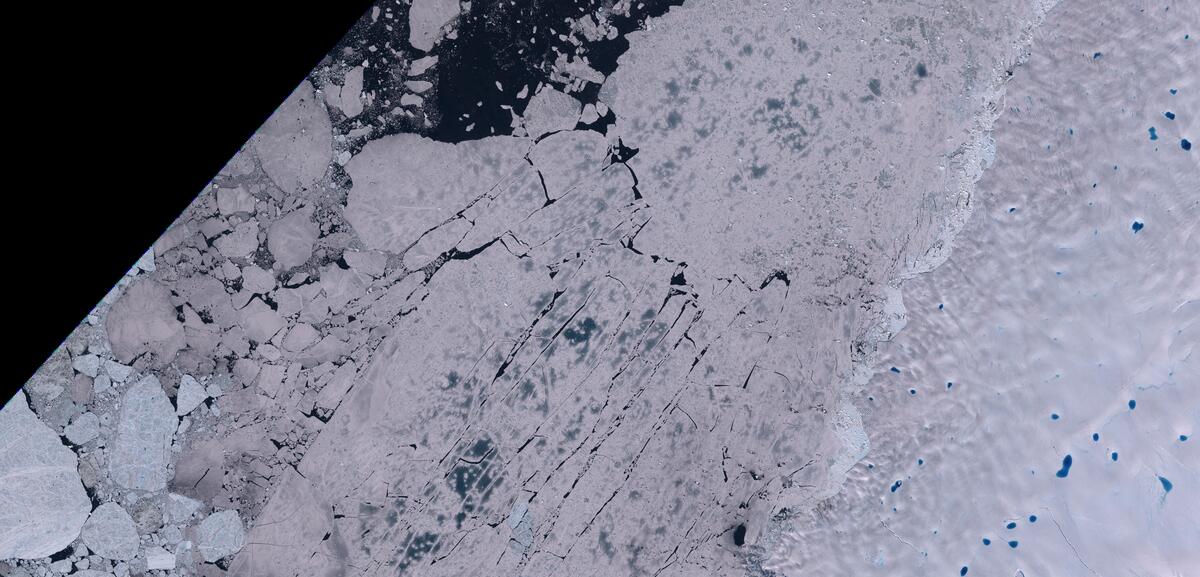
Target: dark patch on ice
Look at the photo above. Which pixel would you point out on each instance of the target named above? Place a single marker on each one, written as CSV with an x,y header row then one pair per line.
x,y
418,547
581,332
739,535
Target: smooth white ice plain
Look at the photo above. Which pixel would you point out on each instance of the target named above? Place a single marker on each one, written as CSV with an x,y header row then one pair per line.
x,y
1041,412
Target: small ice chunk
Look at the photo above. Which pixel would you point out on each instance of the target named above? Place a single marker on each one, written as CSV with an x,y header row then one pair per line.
x,y
260,321
518,513
420,65
145,262
191,394
110,533
240,243
83,429
158,558
87,364
101,385
232,201
220,535
350,95
180,508
300,337
589,114
521,523
257,280
418,86
551,111
116,371
291,238
214,390
369,263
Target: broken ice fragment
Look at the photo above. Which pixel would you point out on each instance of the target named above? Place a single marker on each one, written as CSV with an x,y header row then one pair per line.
x,y
110,533
369,263
425,21
158,558
191,394
43,501
300,337
290,239
420,65
180,508
144,320
139,456
116,371
257,280
87,364
260,321
347,97
418,86
295,144
83,429
551,111
518,513
232,201
241,242
220,535
144,263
